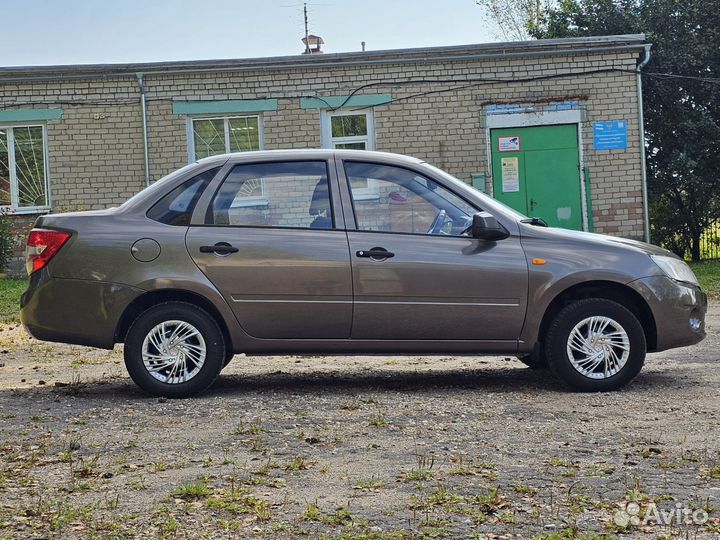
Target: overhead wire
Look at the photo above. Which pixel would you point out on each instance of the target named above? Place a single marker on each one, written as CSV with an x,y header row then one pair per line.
x,y
458,84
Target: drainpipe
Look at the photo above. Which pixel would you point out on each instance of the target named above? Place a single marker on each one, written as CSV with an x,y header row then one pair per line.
x,y
143,104
646,214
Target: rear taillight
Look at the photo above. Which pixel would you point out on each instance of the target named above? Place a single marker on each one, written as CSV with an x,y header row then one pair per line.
x,y
42,245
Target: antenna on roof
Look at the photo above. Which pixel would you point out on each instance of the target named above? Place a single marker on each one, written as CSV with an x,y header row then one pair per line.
x,y
306,40
312,43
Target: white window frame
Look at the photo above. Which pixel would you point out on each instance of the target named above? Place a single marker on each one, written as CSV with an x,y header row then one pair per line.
x,y
260,200
14,206
328,141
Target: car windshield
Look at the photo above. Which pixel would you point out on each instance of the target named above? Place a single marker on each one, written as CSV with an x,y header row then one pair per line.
x,y
509,212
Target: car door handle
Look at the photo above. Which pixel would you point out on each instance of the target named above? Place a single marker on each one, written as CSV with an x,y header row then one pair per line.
x,y
375,253
221,248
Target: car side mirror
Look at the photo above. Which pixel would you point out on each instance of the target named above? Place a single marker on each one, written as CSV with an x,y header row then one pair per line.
x,y
486,227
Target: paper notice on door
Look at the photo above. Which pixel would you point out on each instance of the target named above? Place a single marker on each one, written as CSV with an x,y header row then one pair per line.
x,y
510,175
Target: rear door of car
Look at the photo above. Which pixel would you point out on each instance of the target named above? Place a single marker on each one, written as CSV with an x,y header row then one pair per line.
x,y
270,236
411,283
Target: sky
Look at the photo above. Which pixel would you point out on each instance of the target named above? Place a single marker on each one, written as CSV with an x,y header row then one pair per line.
x,y
50,32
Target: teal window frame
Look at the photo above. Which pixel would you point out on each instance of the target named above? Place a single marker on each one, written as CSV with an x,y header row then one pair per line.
x,y
224,107
336,102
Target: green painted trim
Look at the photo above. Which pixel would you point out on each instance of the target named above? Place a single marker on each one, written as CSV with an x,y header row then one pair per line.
x,y
335,102
30,115
588,201
225,106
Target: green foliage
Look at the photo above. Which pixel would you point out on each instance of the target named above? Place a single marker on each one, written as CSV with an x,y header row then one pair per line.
x,y
708,274
514,19
7,242
10,292
682,115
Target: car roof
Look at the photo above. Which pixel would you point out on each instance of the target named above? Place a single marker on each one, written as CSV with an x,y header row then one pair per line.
x,y
313,153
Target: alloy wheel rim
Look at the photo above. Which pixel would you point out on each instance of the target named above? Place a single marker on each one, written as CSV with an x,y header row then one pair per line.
x,y
174,352
598,347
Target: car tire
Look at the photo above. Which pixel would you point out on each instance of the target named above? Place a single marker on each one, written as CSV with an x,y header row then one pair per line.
x,y
590,357
535,360
228,357
174,350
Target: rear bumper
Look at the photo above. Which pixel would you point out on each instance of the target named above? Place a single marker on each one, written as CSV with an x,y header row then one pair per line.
x,y
678,309
80,312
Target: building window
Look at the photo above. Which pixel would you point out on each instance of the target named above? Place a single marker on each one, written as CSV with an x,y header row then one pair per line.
x,y
352,130
348,130
213,136
23,169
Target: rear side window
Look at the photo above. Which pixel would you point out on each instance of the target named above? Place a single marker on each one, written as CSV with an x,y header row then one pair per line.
x,y
176,207
291,194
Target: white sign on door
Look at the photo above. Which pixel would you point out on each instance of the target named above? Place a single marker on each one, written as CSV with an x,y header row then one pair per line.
x,y
510,174
509,144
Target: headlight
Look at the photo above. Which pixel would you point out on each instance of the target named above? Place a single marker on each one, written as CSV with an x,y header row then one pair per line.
x,y
675,268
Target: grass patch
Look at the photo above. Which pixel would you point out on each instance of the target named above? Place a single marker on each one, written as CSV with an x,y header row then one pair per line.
x,y
190,492
418,475
711,474
10,292
708,274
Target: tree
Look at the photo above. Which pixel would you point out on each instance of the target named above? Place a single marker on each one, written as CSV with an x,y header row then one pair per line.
x,y
514,19
682,108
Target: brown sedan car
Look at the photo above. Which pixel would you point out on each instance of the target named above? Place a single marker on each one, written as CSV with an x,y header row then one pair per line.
x,y
320,251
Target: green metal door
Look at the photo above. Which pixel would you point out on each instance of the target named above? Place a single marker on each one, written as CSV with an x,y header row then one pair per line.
x,y
536,170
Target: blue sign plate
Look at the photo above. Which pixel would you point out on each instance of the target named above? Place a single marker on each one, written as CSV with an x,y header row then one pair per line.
x,y
610,135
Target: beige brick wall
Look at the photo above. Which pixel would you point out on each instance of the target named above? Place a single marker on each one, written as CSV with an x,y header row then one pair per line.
x,y
96,163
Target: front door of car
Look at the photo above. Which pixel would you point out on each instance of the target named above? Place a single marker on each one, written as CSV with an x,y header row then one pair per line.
x,y
271,244
417,274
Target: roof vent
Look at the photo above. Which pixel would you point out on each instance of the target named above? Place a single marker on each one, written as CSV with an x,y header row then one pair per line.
x,y
312,44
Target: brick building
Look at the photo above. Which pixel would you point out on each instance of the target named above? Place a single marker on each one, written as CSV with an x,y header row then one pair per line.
x,y
551,127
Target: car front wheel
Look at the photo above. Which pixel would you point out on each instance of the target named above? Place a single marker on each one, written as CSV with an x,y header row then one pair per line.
x,y
595,345
174,350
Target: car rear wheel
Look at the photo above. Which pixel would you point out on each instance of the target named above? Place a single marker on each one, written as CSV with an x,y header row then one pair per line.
x,y
595,345
174,350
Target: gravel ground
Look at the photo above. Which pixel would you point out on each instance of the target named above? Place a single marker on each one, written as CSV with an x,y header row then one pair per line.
x,y
356,448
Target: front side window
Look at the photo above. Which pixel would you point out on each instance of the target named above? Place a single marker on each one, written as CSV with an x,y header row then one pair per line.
x,y
296,192
23,168
407,202
213,136
352,130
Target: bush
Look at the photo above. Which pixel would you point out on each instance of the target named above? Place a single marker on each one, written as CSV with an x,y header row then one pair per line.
x,y
7,242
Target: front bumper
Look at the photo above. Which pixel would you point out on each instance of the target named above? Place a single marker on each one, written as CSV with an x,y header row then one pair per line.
x,y
678,309
81,312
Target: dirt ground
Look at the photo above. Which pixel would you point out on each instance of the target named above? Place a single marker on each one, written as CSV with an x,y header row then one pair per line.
x,y
357,448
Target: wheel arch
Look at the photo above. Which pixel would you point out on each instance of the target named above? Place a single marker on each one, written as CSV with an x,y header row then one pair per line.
x,y
609,290
151,298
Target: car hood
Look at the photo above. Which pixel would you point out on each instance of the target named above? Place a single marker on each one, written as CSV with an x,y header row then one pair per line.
x,y
566,235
